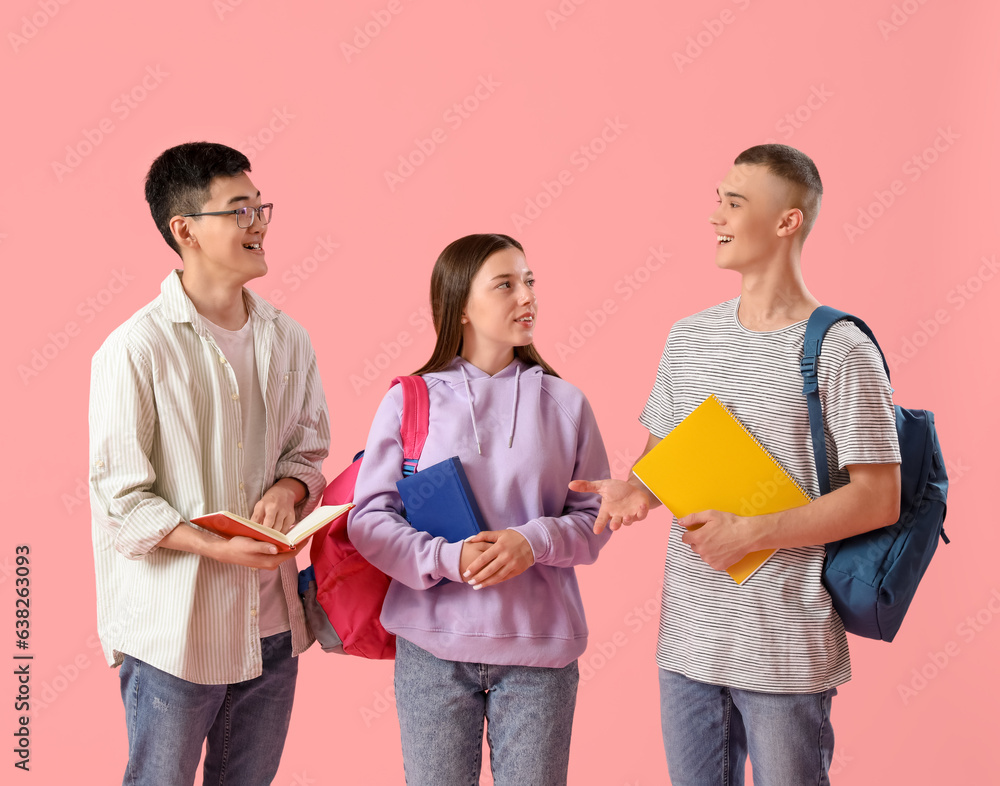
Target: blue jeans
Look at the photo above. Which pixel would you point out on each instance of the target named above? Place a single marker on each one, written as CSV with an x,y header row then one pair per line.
x,y
442,705
709,729
169,719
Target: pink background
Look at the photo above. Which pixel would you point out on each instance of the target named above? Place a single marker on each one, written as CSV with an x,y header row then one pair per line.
x,y
867,88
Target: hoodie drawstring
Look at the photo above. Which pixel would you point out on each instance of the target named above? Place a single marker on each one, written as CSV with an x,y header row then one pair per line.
x,y
513,408
472,411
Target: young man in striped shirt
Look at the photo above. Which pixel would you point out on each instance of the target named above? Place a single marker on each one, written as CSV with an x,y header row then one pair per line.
x,y
752,669
207,399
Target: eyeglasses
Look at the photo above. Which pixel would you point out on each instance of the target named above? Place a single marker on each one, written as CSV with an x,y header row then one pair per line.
x,y
244,215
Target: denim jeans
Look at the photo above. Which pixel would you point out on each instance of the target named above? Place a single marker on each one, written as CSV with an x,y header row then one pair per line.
x,y
442,706
709,729
169,719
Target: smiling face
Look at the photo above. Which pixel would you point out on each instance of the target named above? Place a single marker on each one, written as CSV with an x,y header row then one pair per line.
x,y
754,222
500,311
223,251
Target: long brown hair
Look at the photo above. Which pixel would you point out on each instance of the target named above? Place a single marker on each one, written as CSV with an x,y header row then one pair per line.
x,y
451,281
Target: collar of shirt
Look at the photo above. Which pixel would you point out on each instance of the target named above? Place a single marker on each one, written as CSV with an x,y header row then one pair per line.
x,y
177,306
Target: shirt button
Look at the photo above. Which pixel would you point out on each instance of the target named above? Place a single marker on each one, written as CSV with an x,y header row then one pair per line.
x,y
242,485
99,464
239,445
236,396
253,612
222,360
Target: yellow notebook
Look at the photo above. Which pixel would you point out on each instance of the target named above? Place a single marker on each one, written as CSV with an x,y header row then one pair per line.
x,y
711,461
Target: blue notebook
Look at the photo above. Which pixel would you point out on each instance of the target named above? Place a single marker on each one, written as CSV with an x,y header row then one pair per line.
x,y
440,501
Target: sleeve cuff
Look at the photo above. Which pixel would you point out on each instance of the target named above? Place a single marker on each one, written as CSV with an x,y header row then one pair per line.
x,y
144,528
537,537
449,561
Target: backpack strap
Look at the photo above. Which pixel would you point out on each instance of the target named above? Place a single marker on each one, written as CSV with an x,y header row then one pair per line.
x,y
820,321
416,418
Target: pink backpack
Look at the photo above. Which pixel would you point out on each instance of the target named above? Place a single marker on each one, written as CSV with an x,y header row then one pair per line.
x,y
341,591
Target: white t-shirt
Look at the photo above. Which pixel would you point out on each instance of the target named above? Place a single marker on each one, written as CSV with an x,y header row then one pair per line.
x,y
237,347
778,633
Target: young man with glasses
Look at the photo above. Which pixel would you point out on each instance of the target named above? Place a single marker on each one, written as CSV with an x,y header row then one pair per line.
x,y
207,399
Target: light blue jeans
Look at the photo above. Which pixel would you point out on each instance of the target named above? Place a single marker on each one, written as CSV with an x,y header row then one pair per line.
x,y
442,705
169,719
709,729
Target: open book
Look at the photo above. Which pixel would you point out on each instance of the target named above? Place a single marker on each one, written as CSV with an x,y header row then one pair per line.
x,y
229,525
711,460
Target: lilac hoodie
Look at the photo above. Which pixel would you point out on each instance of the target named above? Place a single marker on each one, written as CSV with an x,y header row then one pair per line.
x,y
535,434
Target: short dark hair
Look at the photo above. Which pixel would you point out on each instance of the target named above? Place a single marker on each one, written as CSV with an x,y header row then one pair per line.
x,y
178,181
795,167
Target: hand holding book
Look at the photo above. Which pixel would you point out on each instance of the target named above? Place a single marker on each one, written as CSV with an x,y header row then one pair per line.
x,y
715,475
230,525
720,538
276,507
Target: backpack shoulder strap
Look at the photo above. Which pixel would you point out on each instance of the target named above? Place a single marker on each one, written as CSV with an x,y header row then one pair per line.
x,y
820,321
416,417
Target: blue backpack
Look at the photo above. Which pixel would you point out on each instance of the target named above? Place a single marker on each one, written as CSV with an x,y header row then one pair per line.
x,y
872,577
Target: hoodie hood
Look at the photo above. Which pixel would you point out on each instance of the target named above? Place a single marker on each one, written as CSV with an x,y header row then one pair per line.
x,y
453,376
463,377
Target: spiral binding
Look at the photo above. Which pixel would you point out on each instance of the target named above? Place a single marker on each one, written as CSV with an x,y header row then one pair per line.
x,y
756,442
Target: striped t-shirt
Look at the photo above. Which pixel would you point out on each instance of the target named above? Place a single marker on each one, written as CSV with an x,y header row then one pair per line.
x,y
777,633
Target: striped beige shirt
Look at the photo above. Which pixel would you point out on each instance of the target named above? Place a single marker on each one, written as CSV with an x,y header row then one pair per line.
x,y
165,446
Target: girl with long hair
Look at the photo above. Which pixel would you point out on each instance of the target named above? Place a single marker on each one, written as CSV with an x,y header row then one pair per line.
x,y
499,641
